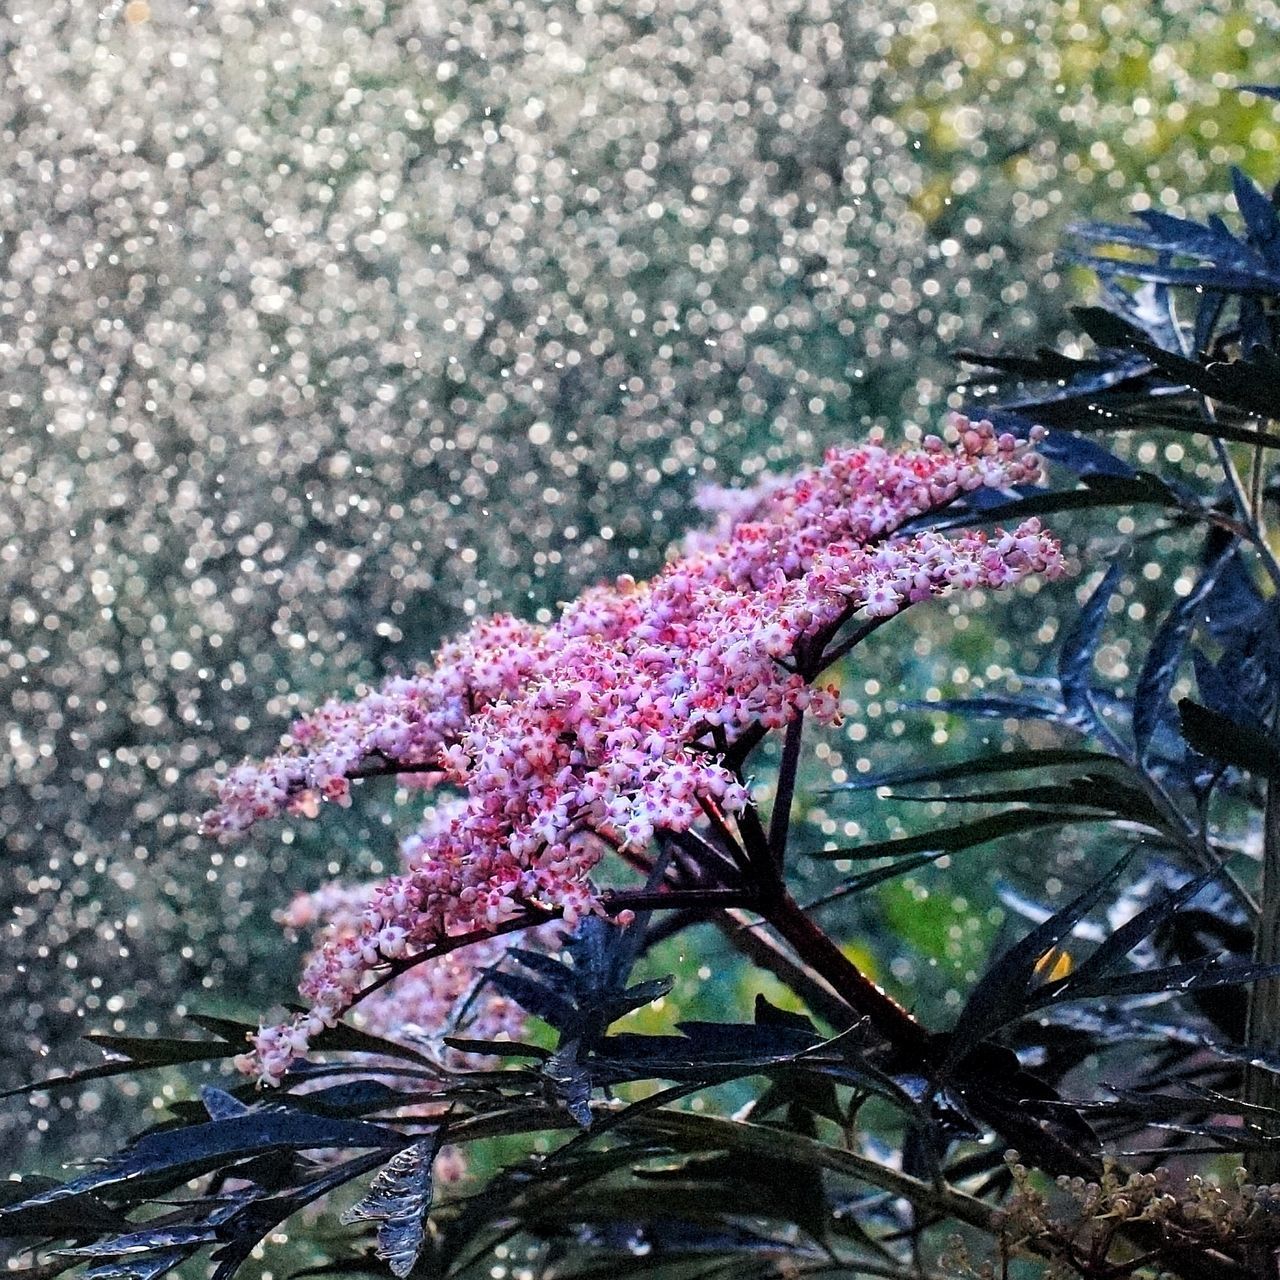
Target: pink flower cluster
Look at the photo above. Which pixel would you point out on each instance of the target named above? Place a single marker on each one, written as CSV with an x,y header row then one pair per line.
x,y
438,998
588,735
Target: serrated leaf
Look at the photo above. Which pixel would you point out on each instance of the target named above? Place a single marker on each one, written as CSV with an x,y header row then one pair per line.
x,y
1214,735
643,993
227,1029
1082,456
701,1045
1078,650
870,879
1120,942
32,1207
220,1104
1146,308
147,1239
1174,416
143,1267
399,1200
1219,694
1164,657
1163,233
1003,993
255,1217
1208,313
993,708
1027,1112
344,1038
15,1190
150,1054
1259,216
1247,383
1101,490
157,1051
964,835
553,968
768,1014
1005,762
170,1157
571,1081
519,1193
1245,279
350,1099
497,1048
1105,327
535,997
1212,971
1236,616
1055,379
1088,791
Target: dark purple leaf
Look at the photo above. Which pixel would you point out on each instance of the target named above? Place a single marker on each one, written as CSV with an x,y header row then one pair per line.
x,y
1259,216
571,1081
1163,233
145,1266
1164,658
1212,971
1260,280
172,1156
1079,648
399,1200
1005,762
964,835
1214,735
1006,991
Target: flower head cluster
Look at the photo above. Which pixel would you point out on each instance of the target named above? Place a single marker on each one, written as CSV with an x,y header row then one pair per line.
x,y
444,996
588,735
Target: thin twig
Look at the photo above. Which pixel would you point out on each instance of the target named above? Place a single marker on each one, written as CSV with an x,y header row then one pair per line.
x,y
784,795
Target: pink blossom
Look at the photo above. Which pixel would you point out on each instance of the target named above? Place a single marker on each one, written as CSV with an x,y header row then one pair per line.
x,y
581,739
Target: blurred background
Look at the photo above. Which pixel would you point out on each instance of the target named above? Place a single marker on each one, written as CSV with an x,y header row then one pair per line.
x,y
325,326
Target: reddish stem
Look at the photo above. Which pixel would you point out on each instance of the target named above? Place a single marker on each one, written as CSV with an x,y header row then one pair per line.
x,y
862,995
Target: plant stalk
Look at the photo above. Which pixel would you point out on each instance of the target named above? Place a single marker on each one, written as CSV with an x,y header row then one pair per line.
x,y
1263,1031
862,995
780,818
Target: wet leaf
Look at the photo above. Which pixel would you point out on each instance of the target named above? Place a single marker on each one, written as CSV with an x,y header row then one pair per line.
x,y
1004,993
399,1200
1260,218
964,835
1242,745
1165,654
1005,762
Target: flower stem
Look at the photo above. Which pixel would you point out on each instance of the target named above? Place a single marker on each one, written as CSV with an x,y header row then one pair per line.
x,y
780,818
863,996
